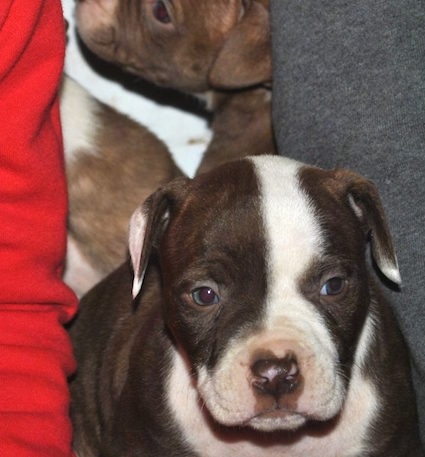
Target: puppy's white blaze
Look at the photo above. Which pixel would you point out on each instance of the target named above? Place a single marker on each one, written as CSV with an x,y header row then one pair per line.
x,y
292,233
79,122
294,240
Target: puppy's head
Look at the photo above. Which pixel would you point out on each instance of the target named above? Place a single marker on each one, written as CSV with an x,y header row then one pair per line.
x,y
189,45
266,289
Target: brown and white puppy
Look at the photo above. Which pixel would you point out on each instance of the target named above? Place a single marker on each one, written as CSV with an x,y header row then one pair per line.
x,y
195,46
253,326
112,164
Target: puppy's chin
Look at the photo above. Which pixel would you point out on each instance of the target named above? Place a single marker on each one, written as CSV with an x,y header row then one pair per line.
x,y
277,420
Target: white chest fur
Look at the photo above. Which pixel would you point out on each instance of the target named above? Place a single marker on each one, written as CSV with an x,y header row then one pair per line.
x,y
79,119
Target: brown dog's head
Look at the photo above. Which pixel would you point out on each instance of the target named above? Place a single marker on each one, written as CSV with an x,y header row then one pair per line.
x,y
190,45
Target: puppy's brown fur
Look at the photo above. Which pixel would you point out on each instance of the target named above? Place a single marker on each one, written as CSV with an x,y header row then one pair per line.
x,y
114,167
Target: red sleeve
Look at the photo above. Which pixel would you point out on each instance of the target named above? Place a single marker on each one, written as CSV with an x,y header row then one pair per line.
x,y
35,351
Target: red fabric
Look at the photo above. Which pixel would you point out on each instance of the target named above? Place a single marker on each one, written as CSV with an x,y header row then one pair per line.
x,y
35,351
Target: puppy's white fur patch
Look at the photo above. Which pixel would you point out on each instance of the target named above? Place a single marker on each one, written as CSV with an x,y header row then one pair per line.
x,y
79,274
79,118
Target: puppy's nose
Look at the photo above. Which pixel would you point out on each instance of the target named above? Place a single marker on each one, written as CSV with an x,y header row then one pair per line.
x,y
276,376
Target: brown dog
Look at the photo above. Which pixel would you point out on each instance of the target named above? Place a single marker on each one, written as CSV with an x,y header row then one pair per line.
x,y
255,327
112,164
195,46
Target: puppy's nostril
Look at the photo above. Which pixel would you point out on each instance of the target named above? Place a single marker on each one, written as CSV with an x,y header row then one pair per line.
x,y
276,376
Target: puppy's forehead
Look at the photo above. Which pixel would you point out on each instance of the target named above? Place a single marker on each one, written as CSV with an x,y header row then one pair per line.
x,y
270,191
292,230
256,206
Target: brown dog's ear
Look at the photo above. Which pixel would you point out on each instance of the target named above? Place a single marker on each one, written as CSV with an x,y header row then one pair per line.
x,y
245,58
147,225
364,200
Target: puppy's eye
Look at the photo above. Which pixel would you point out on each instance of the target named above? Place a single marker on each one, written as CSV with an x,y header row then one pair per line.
x,y
161,13
333,286
205,296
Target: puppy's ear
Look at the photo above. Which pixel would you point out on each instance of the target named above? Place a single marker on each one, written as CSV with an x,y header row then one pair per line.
x,y
147,225
364,200
245,58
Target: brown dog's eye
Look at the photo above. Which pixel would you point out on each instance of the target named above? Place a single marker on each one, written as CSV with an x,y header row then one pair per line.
x,y
333,286
205,296
161,13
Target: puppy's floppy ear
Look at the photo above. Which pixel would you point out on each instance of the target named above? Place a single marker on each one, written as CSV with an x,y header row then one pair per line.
x,y
364,200
147,225
245,58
